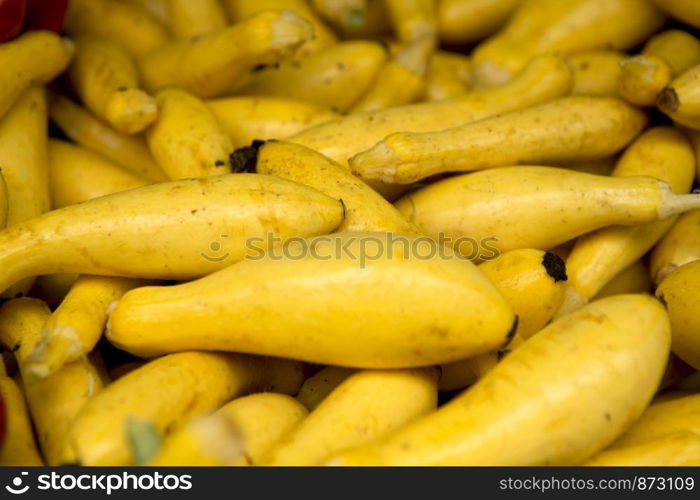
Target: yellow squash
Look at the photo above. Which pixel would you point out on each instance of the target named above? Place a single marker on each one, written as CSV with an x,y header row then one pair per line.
x,y
317,387
546,78
129,152
54,401
463,21
596,72
77,174
208,66
507,208
680,292
449,75
568,129
680,449
187,139
75,327
34,58
540,405
188,19
598,257
194,227
335,77
400,81
126,23
246,119
681,99
369,300
681,414
545,26
365,209
105,77
679,246
165,393
239,10
19,448
365,407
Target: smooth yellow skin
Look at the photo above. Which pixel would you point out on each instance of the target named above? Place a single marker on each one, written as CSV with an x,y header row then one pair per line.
x,y
540,405
687,11
412,20
317,387
248,118
643,77
365,407
206,441
464,21
335,77
400,81
24,163
34,58
208,66
187,139
596,72
678,48
129,152
663,419
679,246
19,448
262,420
532,282
239,10
183,220
167,392
77,174
597,257
633,279
189,19
449,75
681,449
55,401
365,209
23,158
575,128
545,26
398,309
126,23
106,79
508,208
546,78
238,434
679,290
681,99
76,326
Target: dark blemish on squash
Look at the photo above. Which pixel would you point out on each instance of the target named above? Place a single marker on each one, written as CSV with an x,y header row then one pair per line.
x,y
219,163
511,333
608,417
668,100
245,159
555,266
122,89
194,211
662,299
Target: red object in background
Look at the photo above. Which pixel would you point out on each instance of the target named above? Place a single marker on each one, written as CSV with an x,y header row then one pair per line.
x,y
12,15
45,15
